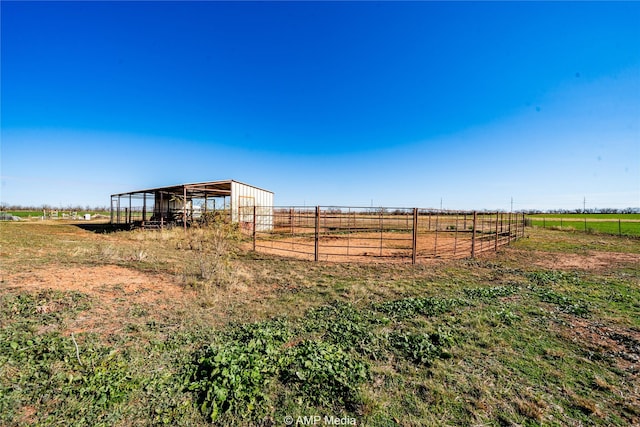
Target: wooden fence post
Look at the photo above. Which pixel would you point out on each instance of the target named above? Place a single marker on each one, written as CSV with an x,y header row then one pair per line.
x,y
414,237
473,235
317,236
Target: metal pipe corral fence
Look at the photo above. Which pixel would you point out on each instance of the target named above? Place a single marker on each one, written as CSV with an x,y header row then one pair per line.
x,y
330,233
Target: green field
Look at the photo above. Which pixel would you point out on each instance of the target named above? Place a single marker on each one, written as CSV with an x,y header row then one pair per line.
x,y
578,216
25,214
187,328
620,224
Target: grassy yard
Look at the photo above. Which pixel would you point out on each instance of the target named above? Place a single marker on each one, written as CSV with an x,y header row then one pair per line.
x,y
148,328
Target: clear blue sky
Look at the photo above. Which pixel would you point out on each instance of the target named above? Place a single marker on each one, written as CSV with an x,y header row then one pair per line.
x,y
390,104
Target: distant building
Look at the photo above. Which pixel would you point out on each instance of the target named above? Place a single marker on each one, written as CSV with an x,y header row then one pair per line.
x,y
184,204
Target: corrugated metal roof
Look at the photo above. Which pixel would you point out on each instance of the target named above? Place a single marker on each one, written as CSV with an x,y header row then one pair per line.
x,y
220,188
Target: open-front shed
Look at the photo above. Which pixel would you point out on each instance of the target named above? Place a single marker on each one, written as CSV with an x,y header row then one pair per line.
x,y
184,204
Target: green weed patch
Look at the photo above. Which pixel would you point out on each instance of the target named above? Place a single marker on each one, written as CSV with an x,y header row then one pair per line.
x,y
492,292
421,348
565,304
325,375
411,307
323,359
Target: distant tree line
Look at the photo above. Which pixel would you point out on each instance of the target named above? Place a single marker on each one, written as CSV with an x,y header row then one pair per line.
x,y
71,208
583,211
87,208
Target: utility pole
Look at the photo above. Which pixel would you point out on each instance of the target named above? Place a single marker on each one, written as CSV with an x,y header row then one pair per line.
x,y
440,203
584,205
512,204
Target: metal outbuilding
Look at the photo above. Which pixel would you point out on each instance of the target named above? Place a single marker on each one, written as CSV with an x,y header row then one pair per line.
x,y
183,204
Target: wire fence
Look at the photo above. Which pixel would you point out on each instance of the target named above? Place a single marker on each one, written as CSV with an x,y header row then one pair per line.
x,y
328,233
614,226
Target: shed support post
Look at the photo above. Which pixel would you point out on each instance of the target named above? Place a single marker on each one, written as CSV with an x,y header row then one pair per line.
x,y
184,207
161,211
473,234
144,208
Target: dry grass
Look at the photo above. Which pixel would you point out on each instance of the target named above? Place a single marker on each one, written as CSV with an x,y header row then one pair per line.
x,y
154,297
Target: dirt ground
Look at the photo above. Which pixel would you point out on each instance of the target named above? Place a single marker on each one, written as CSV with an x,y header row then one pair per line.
x,y
379,247
114,291
621,346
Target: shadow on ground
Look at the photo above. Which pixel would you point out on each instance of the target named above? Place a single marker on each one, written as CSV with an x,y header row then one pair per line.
x,y
101,228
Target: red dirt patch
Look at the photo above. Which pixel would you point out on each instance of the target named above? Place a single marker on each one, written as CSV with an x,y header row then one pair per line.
x,y
114,291
104,282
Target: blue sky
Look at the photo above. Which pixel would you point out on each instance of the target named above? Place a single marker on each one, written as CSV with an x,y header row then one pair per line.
x,y
331,103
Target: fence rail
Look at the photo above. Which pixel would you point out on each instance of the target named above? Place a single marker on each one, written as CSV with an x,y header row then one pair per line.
x,y
389,234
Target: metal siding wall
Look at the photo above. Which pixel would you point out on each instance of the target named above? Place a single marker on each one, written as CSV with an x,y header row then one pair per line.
x,y
263,201
234,202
